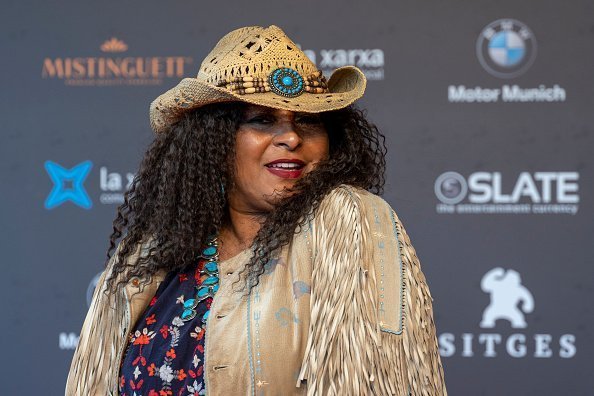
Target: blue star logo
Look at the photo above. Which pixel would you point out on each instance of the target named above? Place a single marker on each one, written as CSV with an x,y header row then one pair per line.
x,y
62,179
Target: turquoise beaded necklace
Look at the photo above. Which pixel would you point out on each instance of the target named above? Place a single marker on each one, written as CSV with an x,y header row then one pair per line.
x,y
206,287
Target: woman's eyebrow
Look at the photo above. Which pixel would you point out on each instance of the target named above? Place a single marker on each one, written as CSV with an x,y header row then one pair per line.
x,y
257,110
305,114
256,113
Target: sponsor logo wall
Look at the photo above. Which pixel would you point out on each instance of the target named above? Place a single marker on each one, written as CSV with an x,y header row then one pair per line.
x,y
490,134
112,66
532,193
506,48
509,302
68,185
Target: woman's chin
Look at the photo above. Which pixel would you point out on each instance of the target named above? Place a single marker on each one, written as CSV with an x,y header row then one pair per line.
x,y
282,191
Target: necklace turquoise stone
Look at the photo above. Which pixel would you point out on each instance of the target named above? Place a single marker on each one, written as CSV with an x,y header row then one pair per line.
x,y
206,287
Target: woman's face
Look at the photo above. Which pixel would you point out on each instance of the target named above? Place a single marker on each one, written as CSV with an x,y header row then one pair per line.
x,y
273,149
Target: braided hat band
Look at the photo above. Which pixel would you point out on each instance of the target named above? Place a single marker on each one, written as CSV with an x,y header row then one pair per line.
x,y
260,66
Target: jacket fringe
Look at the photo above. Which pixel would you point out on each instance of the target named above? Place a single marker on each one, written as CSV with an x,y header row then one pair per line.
x,y
102,340
347,352
421,348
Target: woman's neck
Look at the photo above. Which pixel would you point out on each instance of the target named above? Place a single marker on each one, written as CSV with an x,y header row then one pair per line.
x,y
239,232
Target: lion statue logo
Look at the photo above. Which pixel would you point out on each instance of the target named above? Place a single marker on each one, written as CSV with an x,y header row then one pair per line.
x,y
510,300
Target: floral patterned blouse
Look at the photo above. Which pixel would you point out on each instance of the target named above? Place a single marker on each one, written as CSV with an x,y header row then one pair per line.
x,y
165,355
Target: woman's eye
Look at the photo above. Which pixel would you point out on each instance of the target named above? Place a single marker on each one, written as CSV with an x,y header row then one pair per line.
x,y
260,120
309,120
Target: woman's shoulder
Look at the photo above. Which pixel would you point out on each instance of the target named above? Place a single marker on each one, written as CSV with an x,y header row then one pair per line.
x,y
358,202
352,192
356,193
353,219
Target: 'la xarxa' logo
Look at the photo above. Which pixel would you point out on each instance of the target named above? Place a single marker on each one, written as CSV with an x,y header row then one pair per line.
x,y
370,61
68,185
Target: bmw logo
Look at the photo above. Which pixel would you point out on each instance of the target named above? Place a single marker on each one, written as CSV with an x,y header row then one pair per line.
x,y
506,48
450,188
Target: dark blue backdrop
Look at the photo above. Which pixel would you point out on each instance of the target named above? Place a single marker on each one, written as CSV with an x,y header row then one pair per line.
x,y
487,108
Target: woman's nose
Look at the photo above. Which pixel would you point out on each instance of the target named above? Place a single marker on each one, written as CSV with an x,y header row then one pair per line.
x,y
287,137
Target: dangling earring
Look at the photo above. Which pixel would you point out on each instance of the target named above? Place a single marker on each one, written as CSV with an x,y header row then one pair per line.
x,y
222,188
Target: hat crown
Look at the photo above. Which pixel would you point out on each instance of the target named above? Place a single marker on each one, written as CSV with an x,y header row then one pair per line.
x,y
253,51
261,66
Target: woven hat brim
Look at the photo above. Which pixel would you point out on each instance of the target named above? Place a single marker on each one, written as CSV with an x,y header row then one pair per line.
x,y
345,85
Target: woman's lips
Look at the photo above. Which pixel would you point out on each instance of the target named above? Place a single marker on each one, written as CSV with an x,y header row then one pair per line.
x,y
286,168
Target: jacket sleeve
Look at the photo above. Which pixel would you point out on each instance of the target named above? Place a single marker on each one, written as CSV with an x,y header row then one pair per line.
x,y
421,348
104,329
371,326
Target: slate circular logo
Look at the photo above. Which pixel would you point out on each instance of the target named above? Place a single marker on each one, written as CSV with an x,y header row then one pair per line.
x,y
450,188
91,288
506,48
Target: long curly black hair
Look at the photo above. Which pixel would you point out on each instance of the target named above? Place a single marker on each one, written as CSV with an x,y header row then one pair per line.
x,y
177,198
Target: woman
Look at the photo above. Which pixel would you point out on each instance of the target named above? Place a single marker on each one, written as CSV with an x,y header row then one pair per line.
x,y
254,258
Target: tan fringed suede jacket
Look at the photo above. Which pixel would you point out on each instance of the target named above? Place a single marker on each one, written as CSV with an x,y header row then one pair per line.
x,y
344,310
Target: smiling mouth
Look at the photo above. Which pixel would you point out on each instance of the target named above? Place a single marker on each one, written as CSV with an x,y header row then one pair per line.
x,y
285,165
286,168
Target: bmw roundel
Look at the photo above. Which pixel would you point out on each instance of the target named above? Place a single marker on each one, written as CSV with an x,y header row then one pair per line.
x,y
506,48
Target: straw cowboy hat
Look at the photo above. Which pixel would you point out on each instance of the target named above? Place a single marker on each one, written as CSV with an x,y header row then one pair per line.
x,y
261,66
